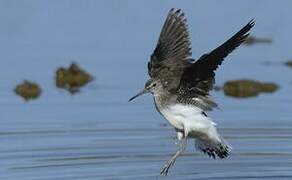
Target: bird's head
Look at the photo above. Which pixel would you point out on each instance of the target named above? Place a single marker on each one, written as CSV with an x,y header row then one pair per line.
x,y
151,86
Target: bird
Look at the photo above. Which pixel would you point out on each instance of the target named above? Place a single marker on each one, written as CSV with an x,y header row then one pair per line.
x,y
181,86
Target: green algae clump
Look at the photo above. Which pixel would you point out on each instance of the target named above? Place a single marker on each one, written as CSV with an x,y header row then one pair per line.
x,y
72,78
289,63
250,40
28,90
248,88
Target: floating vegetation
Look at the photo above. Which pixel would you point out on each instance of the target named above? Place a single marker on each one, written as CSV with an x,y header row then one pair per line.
x,y
248,88
72,78
28,90
251,40
288,63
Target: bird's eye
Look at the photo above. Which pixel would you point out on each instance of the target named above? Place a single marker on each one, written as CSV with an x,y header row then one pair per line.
x,y
154,85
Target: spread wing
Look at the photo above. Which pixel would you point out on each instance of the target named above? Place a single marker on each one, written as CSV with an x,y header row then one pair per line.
x,y
173,47
198,79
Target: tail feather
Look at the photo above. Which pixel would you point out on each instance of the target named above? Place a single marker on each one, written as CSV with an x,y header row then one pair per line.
x,y
214,149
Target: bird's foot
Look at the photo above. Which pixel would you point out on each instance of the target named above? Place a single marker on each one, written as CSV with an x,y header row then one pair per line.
x,y
182,146
165,168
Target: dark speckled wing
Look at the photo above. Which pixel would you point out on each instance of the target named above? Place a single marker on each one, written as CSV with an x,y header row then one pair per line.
x,y
173,48
198,78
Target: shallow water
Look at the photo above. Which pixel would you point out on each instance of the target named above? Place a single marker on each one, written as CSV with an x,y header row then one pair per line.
x,y
97,134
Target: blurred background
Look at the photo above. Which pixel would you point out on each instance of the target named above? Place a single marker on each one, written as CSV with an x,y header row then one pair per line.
x,y
95,133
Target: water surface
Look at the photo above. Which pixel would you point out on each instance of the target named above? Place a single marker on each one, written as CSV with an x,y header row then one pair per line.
x,y
97,134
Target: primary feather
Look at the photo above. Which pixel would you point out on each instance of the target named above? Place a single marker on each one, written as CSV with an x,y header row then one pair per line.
x,y
198,77
173,47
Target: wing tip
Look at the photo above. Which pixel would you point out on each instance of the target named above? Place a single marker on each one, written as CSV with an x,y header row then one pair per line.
x,y
247,28
176,12
245,31
251,23
171,11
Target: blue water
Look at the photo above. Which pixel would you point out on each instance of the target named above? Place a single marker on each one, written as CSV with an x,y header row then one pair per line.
x,y
97,134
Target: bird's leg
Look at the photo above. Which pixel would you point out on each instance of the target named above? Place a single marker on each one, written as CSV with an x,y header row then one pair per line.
x,y
182,144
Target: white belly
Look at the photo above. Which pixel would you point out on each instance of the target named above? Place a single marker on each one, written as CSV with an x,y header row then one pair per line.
x,y
187,118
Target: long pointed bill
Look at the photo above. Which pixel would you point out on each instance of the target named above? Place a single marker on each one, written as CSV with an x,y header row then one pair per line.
x,y
139,94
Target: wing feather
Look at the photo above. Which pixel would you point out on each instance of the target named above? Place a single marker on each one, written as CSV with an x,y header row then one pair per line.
x,y
208,63
199,77
173,44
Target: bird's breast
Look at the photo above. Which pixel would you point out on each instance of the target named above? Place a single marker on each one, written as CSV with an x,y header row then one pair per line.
x,y
177,114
